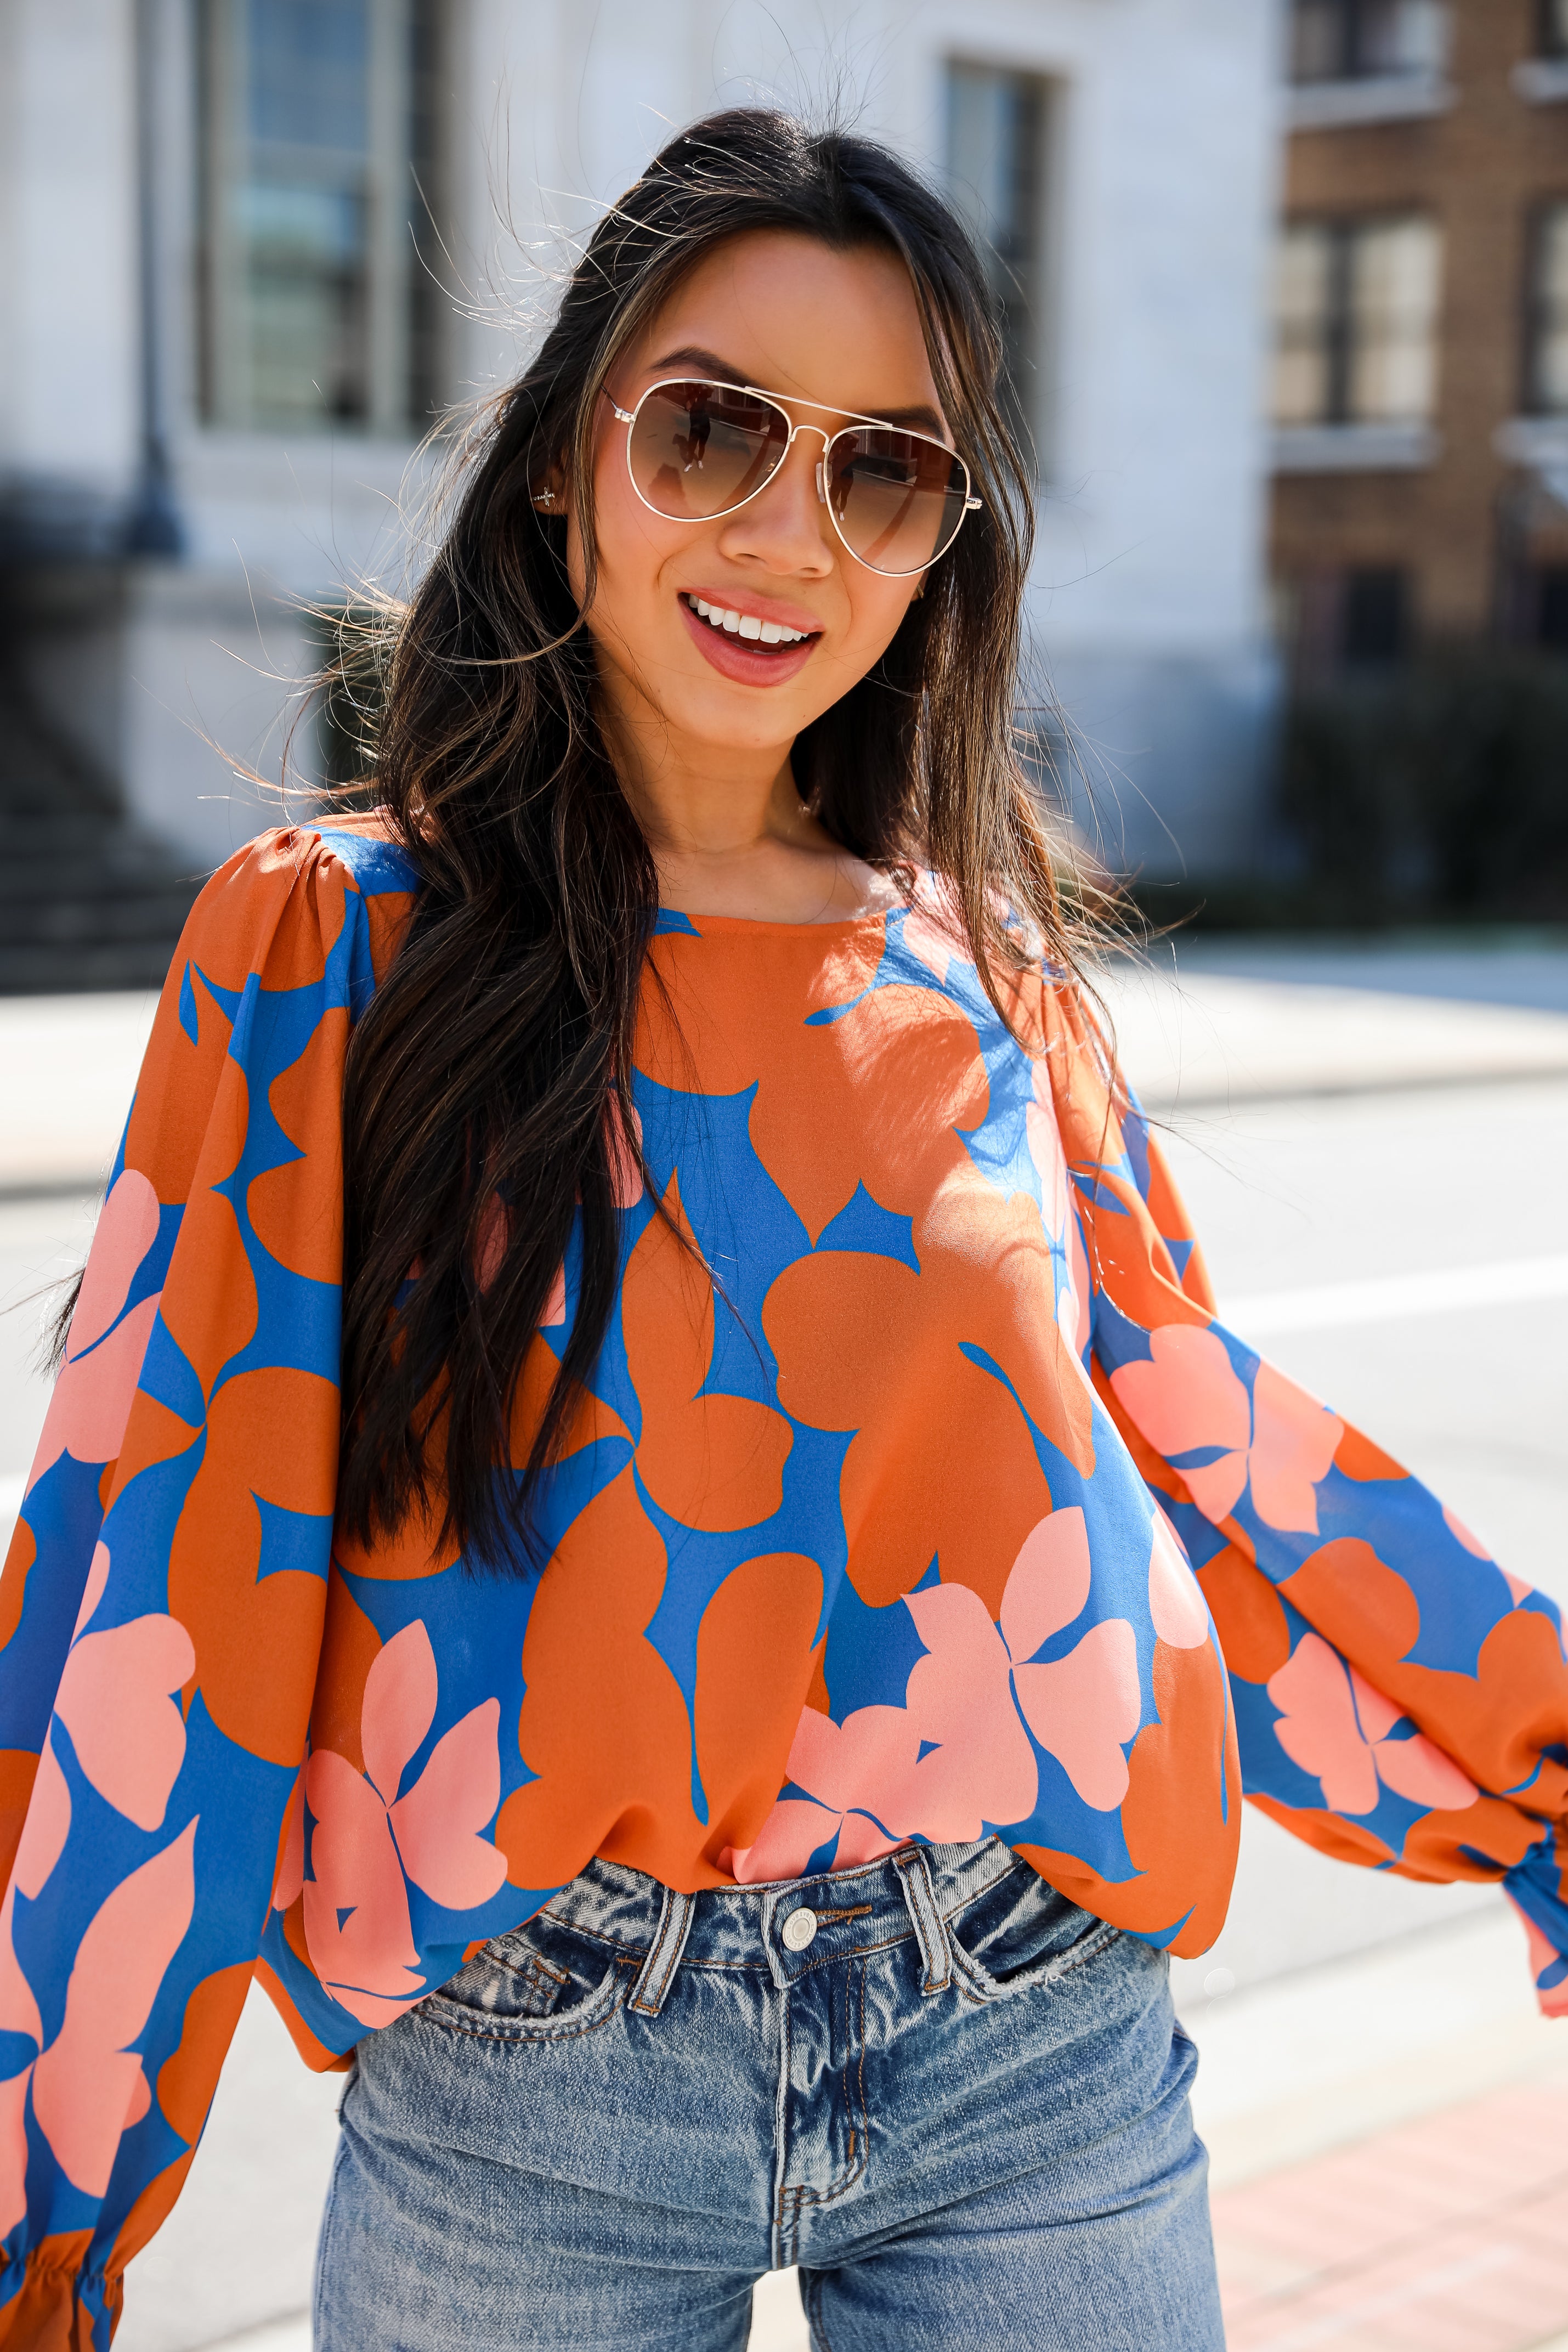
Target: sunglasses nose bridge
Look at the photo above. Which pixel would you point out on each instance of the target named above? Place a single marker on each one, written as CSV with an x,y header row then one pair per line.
x,y
826,439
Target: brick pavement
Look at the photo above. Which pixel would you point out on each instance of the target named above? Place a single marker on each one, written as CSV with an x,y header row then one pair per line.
x,y
1445,2234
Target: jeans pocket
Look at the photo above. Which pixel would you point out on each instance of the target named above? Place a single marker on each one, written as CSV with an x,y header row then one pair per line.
x,y
1021,1934
531,1986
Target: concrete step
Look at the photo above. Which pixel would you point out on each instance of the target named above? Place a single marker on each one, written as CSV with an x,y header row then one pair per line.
x,y
88,901
88,897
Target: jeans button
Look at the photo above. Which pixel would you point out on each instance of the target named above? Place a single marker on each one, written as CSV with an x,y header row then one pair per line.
x,y
799,1929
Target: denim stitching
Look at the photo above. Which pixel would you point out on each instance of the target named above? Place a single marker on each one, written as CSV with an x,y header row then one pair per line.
x,y
782,2122
576,1927
984,1988
571,2028
676,1912
855,1952
854,2107
536,1965
920,1896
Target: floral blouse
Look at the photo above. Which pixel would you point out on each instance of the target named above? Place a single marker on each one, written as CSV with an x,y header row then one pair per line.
x,y
889,1531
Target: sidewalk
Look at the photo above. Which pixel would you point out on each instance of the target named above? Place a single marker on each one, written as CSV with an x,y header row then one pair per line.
x,y
1389,2138
1222,1036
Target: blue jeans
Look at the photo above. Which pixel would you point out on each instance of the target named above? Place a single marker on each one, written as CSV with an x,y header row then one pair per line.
x,y
956,2100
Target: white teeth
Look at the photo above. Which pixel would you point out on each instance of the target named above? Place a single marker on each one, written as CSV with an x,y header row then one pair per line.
x,y
746,625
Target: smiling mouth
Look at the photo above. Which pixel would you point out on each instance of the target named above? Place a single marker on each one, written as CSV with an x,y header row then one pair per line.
x,y
746,629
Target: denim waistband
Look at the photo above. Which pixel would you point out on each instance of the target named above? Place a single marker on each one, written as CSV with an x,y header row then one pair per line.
x,y
912,1892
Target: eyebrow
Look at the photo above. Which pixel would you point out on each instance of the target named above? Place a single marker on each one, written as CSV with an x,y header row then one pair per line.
x,y
920,418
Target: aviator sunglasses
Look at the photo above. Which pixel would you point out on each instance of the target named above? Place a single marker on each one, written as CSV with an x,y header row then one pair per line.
x,y
697,449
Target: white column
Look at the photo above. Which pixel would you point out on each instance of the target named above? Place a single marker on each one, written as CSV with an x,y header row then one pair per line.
x,y
68,326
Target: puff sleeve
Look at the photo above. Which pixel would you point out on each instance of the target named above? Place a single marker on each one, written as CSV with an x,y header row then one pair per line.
x,y
1401,1701
161,1605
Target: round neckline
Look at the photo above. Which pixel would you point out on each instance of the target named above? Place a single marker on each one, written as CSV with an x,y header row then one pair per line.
x,y
777,923
702,923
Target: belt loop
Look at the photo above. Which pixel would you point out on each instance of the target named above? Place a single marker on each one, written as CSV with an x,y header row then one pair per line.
x,y
664,1959
920,1895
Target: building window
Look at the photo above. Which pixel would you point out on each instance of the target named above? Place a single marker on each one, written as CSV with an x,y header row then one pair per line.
x,y
1355,322
1350,40
1553,28
315,121
1344,618
997,125
1547,356
1374,616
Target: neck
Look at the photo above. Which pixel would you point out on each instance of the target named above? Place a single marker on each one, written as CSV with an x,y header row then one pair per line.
x,y
702,804
726,828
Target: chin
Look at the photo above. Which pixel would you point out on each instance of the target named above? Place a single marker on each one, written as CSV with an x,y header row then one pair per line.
x,y
736,719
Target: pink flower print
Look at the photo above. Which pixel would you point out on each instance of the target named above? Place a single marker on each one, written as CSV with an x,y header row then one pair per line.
x,y
956,1754
14,2150
47,1826
1177,1606
787,1839
1049,1584
19,2015
369,1841
116,1699
1335,1725
870,1756
87,2086
1188,1398
92,1401
357,1925
1081,1707
1294,1441
982,1767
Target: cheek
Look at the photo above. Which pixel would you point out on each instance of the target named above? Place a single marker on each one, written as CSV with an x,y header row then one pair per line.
x,y
633,548
877,608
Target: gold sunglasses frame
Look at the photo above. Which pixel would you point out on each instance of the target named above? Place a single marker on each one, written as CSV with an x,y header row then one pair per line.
x,y
776,401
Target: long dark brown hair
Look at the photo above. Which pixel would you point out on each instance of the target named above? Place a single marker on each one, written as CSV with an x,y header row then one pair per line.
x,y
496,1060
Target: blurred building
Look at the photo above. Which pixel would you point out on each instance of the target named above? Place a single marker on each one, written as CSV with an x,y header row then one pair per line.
x,y
252,250
1420,395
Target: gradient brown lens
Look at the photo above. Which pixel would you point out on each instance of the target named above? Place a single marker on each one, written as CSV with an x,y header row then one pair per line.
x,y
897,497
697,449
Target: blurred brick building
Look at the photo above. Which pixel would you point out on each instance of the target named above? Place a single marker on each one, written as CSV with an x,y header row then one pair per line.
x,y
1420,397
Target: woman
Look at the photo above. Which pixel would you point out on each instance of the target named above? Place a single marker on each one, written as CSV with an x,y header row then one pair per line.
x,y
720,1750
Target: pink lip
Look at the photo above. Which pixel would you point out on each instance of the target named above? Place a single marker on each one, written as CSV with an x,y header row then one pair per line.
x,y
739,657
